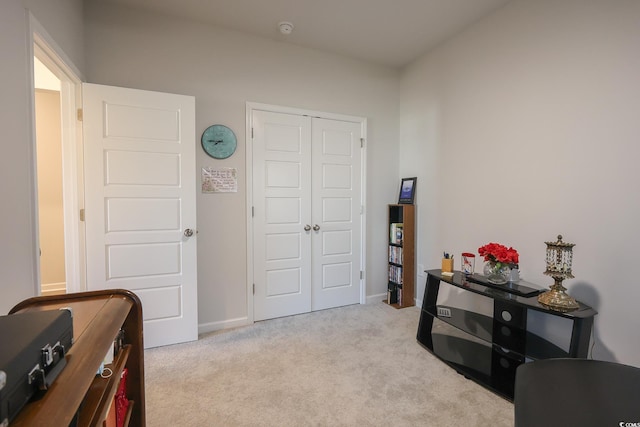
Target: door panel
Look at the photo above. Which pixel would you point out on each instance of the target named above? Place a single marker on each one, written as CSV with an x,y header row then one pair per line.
x,y
162,303
336,210
282,208
140,196
144,123
336,243
126,214
281,282
134,260
336,275
141,168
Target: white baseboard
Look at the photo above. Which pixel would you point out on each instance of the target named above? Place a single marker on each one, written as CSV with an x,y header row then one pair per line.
x,y
374,299
204,328
53,288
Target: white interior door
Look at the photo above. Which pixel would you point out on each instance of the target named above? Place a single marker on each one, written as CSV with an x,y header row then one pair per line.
x,y
336,202
282,211
139,150
306,213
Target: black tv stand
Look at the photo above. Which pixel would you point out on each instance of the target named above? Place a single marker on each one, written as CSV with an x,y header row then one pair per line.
x,y
488,349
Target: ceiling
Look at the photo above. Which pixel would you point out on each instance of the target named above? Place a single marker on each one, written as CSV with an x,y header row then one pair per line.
x,y
385,32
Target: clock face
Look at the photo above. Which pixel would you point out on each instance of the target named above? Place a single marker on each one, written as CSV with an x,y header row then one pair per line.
x,y
219,141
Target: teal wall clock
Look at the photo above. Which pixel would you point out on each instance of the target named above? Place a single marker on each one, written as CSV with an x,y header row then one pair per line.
x,y
219,141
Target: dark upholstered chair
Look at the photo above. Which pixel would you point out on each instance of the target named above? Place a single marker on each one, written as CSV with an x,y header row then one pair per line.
x,y
576,392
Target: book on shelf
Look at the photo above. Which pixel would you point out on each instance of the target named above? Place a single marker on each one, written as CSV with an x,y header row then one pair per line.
x,y
394,294
395,254
395,274
395,233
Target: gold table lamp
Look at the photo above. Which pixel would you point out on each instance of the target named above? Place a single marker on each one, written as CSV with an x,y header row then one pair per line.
x,y
559,259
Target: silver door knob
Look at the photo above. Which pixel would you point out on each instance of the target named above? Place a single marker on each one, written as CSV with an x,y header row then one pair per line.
x,y
307,227
316,227
188,232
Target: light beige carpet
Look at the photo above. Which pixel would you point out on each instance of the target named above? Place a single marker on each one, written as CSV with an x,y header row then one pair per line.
x,y
352,366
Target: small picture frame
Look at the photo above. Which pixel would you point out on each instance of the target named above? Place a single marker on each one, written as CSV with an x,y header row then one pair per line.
x,y
407,191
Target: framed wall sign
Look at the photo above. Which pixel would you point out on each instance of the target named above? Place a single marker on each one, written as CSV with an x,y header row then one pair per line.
x,y
219,180
407,191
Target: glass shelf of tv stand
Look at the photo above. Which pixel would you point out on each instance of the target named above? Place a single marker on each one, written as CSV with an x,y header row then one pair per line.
x,y
479,326
488,365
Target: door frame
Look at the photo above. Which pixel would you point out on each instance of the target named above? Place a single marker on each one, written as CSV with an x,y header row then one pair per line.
x,y
42,45
255,106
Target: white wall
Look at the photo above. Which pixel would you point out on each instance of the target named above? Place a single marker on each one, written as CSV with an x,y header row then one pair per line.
x,y
17,280
224,70
526,126
17,213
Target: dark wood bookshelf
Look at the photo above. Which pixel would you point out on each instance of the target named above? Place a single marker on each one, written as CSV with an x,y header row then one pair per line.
x,y
78,393
401,256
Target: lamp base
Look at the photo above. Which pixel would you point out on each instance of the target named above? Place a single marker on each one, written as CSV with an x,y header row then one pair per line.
x,y
557,299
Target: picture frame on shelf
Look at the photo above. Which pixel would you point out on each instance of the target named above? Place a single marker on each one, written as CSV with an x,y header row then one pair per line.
x,y
407,191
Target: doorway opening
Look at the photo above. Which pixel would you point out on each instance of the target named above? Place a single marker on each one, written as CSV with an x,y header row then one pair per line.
x,y
57,157
49,174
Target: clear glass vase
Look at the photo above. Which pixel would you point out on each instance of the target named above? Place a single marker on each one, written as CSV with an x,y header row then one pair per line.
x,y
497,272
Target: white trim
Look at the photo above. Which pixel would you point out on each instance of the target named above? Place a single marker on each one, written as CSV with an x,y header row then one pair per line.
x,y
255,106
249,190
205,328
375,299
363,219
42,45
302,112
53,50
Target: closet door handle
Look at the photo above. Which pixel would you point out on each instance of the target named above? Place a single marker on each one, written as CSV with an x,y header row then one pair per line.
x,y
307,227
316,227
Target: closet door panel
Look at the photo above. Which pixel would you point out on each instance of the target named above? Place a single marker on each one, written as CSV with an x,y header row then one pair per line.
x,y
336,201
282,209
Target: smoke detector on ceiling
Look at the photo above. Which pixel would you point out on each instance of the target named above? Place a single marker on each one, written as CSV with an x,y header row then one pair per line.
x,y
285,27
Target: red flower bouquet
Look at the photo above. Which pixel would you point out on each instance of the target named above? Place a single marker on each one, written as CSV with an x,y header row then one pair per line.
x,y
500,254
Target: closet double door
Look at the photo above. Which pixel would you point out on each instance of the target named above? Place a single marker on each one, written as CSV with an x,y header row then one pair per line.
x,y
307,200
